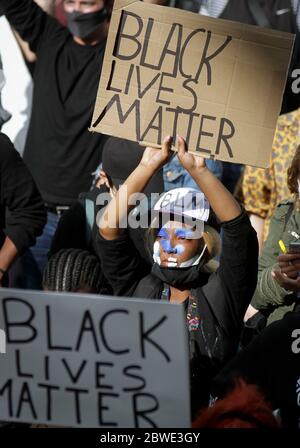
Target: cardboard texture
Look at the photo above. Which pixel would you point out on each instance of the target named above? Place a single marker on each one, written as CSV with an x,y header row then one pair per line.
x,y
217,83
82,360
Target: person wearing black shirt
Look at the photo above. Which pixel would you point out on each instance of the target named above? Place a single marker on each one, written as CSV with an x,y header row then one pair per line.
x,y
22,214
215,303
60,151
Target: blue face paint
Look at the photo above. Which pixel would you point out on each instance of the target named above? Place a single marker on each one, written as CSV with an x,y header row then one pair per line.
x,y
163,233
184,233
179,249
167,246
165,241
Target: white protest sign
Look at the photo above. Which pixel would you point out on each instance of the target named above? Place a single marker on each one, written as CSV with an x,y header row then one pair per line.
x,y
93,361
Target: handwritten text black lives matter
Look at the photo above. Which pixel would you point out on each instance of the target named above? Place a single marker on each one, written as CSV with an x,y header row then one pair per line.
x,y
129,46
64,372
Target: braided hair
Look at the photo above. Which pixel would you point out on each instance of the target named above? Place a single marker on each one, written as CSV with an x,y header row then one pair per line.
x,y
70,270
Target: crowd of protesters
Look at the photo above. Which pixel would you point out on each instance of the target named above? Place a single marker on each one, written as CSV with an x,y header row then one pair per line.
x,y
232,260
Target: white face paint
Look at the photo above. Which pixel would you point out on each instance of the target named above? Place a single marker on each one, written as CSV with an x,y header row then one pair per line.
x,y
165,245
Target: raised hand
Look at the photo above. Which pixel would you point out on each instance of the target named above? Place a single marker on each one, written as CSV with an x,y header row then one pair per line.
x,y
286,282
289,264
156,158
187,159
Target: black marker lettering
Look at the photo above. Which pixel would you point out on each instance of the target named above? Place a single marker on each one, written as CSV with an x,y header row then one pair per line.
x,y
25,397
132,37
87,327
127,372
77,393
25,324
157,127
138,400
109,84
74,377
99,375
222,137
20,373
122,116
163,88
144,334
102,408
102,332
7,388
49,388
205,133
49,333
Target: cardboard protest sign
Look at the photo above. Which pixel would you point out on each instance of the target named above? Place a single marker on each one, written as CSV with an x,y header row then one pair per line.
x,y
217,83
92,361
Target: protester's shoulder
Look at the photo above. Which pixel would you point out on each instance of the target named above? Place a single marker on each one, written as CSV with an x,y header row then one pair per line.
x,y
280,332
276,338
149,287
7,149
283,209
290,321
54,31
5,142
239,223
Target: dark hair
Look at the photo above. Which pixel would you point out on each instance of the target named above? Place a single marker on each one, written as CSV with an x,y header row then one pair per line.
x,y
243,407
293,173
70,270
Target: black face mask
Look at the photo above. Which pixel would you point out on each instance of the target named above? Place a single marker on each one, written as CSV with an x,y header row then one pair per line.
x,y
181,278
82,25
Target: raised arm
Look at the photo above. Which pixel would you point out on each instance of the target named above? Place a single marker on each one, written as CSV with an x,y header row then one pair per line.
x,y
118,209
229,290
25,217
28,19
221,200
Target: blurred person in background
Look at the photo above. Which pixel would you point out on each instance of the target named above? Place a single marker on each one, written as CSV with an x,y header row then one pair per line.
x,y
22,215
60,151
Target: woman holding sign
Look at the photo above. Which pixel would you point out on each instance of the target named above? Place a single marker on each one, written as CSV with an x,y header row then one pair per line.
x,y
182,246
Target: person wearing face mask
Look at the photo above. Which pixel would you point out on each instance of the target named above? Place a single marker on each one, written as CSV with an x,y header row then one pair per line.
x,y
60,151
22,215
278,269
182,244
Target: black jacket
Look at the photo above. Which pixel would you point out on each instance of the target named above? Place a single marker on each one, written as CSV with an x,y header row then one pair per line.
x,y
221,300
22,213
272,362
